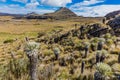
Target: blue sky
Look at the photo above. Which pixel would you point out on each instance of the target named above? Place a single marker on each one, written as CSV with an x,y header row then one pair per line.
x,y
90,8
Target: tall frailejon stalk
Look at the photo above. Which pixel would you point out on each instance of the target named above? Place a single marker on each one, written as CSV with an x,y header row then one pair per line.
x,y
31,49
102,58
100,43
56,53
82,32
98,56
86,48
82,66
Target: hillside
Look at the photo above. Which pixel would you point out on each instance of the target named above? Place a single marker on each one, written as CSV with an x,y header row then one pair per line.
x,y
112,14
61,13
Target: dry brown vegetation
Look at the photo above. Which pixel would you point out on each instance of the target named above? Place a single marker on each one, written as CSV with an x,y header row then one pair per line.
x,y
14,63
13,28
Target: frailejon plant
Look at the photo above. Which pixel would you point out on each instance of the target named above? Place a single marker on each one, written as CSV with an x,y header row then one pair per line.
x,y
94,42
32,49
100,43
56,53
103,71
103,55
86,48
82,66
98,53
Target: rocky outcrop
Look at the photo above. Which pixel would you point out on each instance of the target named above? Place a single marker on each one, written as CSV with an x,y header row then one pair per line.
x,y
115,25
113,20
112,15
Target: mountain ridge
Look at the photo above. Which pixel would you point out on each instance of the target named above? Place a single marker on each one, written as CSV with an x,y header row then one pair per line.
x,y
112,14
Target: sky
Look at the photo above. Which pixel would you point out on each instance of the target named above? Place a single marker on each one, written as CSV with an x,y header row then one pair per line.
x,y
87,8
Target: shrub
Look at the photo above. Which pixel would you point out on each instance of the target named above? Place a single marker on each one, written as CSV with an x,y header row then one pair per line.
x,y
79,46
40,34
104,69
48,52
107,36
9,41
109,42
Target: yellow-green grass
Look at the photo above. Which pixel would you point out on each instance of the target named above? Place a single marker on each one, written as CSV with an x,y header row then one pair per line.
x,y
8,36
12,28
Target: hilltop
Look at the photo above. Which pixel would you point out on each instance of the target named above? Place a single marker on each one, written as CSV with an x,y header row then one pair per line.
x,y
61,13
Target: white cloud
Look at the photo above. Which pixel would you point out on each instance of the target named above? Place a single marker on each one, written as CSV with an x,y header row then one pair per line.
x,y
95,11
86,3
14,5
32,1
22,1
32,5
87,8
56,3
3,0
23,10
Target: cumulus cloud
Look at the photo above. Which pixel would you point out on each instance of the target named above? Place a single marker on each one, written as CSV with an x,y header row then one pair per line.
x,y
87,8
95,11
22,10
86,3
14,5
32,5
22,1
3,0
56,3
32,1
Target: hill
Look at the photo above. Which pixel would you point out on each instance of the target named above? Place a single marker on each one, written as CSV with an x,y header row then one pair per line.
x,y
8,14
113,20
61,13
112,14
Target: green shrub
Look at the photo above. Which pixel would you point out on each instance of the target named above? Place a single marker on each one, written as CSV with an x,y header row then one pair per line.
x,y
40,34
9,41
48,52
104,69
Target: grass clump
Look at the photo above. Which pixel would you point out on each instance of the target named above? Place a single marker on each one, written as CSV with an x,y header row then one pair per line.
x,y
8,41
